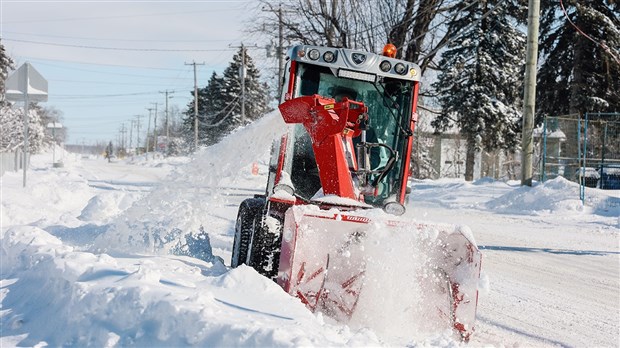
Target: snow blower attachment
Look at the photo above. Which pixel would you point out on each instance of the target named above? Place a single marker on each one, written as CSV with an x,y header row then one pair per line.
x,y
316,230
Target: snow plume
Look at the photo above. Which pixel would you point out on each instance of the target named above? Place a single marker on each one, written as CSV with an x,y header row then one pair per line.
x,y
392,284
172,217
413,283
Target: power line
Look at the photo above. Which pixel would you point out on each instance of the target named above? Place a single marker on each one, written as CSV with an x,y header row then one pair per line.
x,y
112,73
110,39
118,48
101,83
166,14
602,45
92,63
84,96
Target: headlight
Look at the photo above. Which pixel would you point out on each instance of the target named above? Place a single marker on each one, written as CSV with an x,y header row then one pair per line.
x,y
329,57
385,66
394,208
400,68
314,54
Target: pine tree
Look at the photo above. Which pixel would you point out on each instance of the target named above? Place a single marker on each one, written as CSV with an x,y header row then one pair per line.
x,y
580,65
210,104
12,130
6,65
256,93
579,74
479,86
219,103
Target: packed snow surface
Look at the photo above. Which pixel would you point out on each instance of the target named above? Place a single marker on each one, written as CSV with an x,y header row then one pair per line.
x,y
130,254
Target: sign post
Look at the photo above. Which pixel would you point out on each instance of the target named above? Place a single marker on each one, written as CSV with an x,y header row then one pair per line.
x,y
27,85
53,126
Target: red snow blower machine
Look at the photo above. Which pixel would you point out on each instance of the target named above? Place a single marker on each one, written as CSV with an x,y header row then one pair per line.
x,y
330,227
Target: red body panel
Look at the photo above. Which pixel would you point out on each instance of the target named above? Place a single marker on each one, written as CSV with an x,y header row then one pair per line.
x,y
281,154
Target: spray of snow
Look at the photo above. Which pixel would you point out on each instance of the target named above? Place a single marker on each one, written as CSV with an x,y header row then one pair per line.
x,y
172,216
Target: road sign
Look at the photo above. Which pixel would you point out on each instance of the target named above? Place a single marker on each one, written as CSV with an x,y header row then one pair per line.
x,y
24,83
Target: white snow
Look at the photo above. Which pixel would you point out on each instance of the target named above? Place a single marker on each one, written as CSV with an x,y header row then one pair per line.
x,y
86,257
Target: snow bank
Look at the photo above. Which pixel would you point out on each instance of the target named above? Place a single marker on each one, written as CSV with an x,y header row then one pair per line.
x,y
101,301
556,196
62,191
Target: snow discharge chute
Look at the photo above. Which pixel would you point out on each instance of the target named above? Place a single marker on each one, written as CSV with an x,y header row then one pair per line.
x,y
327,228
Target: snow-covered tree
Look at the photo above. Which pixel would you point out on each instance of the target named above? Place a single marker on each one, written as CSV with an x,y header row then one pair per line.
x,y
210,106
6,65
422,164
479,86
219,103
580,61
12,129
256,92
580,64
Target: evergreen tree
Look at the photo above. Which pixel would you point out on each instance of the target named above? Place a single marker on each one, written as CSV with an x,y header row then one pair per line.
x,y
210,104
6,65
219,103
579,74
12,130
256,93
479,86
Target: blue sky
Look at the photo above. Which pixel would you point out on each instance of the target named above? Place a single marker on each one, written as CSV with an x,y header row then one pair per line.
x,y
108,61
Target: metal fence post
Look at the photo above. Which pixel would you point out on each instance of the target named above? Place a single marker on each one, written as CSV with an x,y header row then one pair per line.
x,y
602,170
544,154
582,170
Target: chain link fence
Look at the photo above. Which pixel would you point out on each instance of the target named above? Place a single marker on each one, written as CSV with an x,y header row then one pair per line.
x,y
584,149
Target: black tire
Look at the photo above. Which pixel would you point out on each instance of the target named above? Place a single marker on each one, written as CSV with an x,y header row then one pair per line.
x,y
249,210
265,249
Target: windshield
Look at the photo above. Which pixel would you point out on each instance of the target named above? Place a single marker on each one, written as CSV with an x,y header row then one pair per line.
x,y
389,110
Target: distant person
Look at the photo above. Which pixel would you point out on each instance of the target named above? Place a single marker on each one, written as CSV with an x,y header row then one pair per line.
x,y
108,152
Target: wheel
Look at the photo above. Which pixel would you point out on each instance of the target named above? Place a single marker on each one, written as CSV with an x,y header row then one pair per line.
x,y
265,248
244,227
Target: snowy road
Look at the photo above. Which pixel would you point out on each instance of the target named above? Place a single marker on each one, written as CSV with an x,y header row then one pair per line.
x,y
554,278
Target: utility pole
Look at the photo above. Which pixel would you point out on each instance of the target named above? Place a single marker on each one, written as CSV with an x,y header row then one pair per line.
x,y
155,144
280,53
148,130
166,92
195,104
242,77
242,73
131,133
280,49
529,93
138,117
123,131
